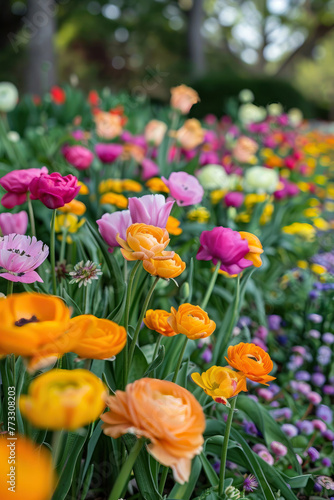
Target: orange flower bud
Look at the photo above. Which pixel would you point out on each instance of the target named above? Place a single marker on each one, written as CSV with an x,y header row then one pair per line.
x,y
64,399
192,321
31,320
144,242
252,361
165,413
157,320
173,226
221,383
255,248
166,269
33,477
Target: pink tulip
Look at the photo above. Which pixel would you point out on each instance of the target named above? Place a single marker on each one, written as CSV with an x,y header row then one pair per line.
x,y
234,199
225,245
150,169
14,223
112,224
150,209
54,190
78,156
17,184
108,153
184,188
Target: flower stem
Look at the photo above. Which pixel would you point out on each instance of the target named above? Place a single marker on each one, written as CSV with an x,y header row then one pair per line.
x,y
10,286
123,477
31,216
221,348
63,244
53,252
156,349
57,440
141,317
163,480
225,445
211,285
86,300
179,361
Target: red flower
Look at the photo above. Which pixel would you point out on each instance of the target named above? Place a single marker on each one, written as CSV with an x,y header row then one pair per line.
x,y
58,95
93,98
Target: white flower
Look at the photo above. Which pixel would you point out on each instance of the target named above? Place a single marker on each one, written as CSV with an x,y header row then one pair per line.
x,y
275,109
249,113
213,177
8,96
295,117
246,95
261,180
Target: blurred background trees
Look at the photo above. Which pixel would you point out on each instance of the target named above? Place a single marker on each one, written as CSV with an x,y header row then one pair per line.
x,y
281,49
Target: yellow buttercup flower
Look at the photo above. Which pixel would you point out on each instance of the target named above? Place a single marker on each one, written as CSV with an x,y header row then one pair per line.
x,y
173,226
321,224
301,229
107,185
312,212
221,383
217,195
68,222
200,214
118,200
83,189
243,217
266,214
318,269
329,206
74,207
253,199
320,179
302,264
64,399
157,185
303,186
130,185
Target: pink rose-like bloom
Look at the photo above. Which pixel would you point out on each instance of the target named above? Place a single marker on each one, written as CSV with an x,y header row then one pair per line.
x,y
78,156
17,184
319,425
54,190
108,153
150,169
14,223
314,398
234,199
112,224
279,449
244,149
184,188
226,245
265,455
19,257
151,209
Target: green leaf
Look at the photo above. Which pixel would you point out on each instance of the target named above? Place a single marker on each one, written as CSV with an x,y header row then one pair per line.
x,y
91,446
184,491
209,471
157,361
87,482
138,366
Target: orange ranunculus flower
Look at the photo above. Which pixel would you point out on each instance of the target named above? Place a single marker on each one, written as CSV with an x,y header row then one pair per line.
x,y
26,470
119,200
157,185
155,131
83,188
108,125
255,248
252,361
245,149
183,98
163,412
74,207
157,320
190,135
130,185
192,321
94,338
31,320
144,242
167,269
173,226
221,383
64,399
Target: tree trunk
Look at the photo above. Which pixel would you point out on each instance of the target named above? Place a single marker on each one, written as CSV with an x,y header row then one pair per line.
x,y
195,39
40,25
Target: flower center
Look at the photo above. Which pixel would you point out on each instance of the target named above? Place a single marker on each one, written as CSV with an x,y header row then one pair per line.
x,y
24,321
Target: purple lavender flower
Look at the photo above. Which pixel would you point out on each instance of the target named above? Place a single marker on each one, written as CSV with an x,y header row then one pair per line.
x,y
315,318
290,430
207,355
313,454
281,413
250,428
302,375
328,434
326,462
328,389
305,427
328,338
318,379
319,425
250,483
274,322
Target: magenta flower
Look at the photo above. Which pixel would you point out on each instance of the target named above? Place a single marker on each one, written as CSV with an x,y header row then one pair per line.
x,y
54,190
184,188
78,156
226,245
17,184
150,209
149,169
19,257
234,199
112,224
108,153
14,223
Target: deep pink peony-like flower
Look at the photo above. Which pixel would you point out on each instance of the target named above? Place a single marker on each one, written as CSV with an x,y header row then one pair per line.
x,y
54,190
78,156
17,184
19,257
13,223
234,199
152,209
108,153
112,224
184,188
226,245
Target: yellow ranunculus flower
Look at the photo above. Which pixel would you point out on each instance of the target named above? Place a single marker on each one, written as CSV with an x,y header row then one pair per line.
x,y
321,224
252,199
84,189
312,212
200,214
157,185
303,264
130,185
221,383
301,229
107,185
318,269
266,214
217,195
68,222
118,200
64,399
74,207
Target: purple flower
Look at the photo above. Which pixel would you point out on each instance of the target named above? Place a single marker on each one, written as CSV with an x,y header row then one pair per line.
x,y
305,427
325,413
278,448
19,257
302,375
313,454
108,153
314,334
207,355
328,389
262,332
290,430
184,188
250,483
274,322
112,224
326,462
250,428
14,223
328,434
266,394
314,398
319,425
328,338
281,413
315,318
318,379
78,156
225,245
150,209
